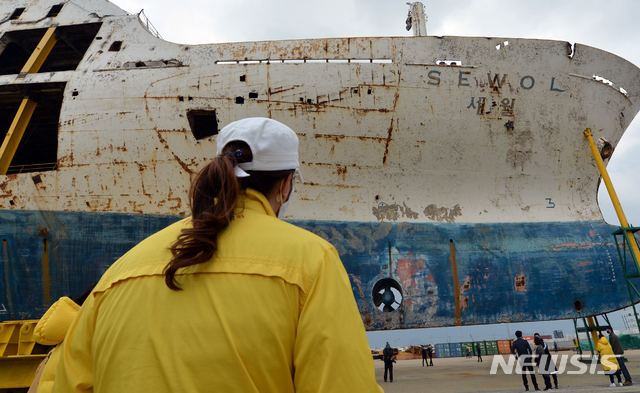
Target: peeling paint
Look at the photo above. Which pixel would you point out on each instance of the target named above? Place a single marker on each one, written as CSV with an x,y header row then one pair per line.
x,y
393,212
442,214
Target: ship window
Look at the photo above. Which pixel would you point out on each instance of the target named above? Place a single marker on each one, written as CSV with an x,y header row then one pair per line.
x,y
115,47
72,43
16,13
54,11
253,95
239,100
38,148
203,123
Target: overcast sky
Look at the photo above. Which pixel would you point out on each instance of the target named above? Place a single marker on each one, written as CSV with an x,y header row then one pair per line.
x,y
610,25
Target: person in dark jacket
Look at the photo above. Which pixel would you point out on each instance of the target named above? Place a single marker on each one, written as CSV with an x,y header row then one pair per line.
x,y
478,352
522,351
542,361
424,356
549,366
387,356
619,352
430,353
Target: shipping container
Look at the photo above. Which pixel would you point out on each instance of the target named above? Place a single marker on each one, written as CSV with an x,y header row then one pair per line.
x,y
483,349
491,348
464,346
504,346
442,350
455,350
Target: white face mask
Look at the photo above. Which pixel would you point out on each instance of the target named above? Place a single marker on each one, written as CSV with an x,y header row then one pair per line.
x,y
285,205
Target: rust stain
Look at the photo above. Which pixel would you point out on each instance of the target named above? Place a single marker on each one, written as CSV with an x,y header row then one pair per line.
x,y
341,171
281,89
585,245
386,147
367,318
335,138
466,285
464,302
464,299
407,270
520,283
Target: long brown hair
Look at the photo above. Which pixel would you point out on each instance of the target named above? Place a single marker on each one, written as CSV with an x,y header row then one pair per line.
x,y
213,197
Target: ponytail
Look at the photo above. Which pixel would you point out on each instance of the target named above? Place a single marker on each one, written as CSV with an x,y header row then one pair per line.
x,y
213,195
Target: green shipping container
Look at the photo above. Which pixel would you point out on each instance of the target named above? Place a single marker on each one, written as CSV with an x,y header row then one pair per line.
x,y
464,348
483,349
491,348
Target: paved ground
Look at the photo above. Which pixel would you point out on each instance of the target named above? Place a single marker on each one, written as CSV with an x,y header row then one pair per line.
x,y
468,375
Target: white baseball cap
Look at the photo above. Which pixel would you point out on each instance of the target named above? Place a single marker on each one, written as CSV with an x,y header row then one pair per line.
x,y
274,146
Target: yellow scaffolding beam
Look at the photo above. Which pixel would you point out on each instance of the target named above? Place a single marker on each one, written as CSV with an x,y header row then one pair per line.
x,y
14,135
612,193
40,54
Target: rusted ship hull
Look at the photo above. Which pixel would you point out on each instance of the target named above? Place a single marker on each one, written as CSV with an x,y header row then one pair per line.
x,y
451,170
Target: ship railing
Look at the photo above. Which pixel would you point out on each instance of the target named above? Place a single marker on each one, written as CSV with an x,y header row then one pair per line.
x,y
46,166
146,23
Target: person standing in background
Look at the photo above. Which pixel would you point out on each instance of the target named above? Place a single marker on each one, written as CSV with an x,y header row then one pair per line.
x,y
522,351
479,352
387,356
619,352
424,356
430,353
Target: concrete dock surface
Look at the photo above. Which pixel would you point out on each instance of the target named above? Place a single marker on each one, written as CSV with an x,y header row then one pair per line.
x,y
469,375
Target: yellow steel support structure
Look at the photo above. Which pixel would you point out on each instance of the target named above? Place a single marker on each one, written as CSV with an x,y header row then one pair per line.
x,y
40,54
594,333
21,120
18,362
14,135
612,193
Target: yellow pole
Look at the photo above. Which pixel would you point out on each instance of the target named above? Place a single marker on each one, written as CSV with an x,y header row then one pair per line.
x,y
612,193
46,279
40,54
594,334
14,135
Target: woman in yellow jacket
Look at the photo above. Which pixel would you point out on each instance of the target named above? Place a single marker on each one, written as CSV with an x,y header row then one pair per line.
x,y
231,299
608,360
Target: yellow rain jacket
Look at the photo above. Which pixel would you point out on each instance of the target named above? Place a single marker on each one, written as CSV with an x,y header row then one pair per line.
x,y
273,311
50,330
608,358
